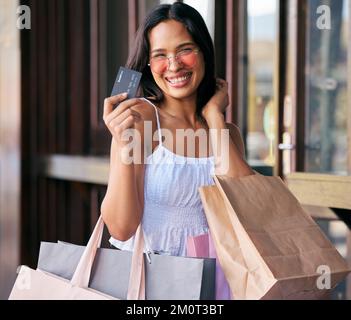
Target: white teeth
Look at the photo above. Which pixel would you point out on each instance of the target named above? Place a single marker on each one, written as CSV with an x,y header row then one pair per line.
x,y
177,80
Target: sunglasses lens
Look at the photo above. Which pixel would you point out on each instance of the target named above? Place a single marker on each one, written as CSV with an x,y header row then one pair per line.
x,y
159,66
187,60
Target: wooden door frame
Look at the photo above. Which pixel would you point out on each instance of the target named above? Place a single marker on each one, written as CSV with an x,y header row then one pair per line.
x,y
280,82
236,61
292,97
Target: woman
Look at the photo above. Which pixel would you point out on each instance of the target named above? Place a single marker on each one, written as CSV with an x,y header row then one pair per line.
x,y
174,51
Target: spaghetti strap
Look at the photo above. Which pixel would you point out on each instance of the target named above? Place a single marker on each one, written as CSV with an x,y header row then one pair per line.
x,y
158,122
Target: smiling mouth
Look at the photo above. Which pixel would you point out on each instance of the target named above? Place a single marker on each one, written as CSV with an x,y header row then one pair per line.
x,y
179,80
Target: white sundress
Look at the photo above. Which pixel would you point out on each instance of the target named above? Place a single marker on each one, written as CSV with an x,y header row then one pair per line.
x,y
172,205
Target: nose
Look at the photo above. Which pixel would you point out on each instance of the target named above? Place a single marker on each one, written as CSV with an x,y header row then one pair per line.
x,y
173,64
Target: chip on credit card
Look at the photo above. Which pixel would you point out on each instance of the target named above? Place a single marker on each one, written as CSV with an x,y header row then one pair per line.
x,y
127,80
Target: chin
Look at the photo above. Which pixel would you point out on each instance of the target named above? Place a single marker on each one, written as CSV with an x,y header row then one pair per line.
x,y
179,94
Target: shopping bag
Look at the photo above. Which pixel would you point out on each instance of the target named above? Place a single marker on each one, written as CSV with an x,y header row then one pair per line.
x,y
40,285
201,246
267,245
166,277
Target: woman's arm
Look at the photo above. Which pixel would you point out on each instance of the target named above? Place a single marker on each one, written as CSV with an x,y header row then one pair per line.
x,y
237,139
122,206
232,161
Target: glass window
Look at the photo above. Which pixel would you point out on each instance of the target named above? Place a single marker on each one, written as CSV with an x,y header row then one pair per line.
x,y
262,35
326,86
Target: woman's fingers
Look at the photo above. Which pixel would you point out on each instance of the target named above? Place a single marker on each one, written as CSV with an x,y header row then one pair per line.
x,y
221,83
127,104
122,107
127,123
120,118
111,101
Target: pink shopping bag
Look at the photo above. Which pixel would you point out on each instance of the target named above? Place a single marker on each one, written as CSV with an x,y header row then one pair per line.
x,y
201,246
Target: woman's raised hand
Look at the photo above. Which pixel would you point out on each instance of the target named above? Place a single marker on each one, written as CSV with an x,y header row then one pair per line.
x,y
121,118
219,101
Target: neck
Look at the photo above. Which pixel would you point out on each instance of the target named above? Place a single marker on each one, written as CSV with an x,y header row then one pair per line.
x,y
181,108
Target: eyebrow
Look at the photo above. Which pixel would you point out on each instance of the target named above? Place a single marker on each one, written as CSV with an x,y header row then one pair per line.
x,y
179,46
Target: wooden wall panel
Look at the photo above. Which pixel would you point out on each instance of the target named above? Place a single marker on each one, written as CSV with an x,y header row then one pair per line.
x,y
62,113
53,71
110,41
78,69
29,134
220,38
62,105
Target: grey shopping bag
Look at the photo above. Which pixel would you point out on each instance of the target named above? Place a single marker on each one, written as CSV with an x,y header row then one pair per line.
x,y
166,277
42,285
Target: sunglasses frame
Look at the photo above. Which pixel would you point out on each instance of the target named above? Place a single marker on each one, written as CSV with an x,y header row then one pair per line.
x,y
195,50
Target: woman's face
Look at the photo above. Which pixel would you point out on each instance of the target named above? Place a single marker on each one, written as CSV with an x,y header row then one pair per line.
x,y
178,80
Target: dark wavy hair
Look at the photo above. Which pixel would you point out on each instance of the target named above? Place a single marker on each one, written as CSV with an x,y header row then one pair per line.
x,y
195,25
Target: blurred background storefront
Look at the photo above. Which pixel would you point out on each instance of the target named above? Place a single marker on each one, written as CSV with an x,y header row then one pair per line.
x,y
288,64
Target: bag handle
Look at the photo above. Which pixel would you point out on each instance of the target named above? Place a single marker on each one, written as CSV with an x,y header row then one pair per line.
x,y
136,287
81,276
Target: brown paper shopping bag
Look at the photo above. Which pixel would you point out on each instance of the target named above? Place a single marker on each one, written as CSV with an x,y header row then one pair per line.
x,y
267,245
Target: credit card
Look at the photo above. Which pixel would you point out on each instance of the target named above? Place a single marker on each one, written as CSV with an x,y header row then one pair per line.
x,y
127,80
